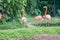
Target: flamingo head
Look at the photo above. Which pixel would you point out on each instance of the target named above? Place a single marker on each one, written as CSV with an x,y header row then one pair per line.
x,y
44,6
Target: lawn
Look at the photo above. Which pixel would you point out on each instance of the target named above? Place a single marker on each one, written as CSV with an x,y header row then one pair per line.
x,y
27,32
15,30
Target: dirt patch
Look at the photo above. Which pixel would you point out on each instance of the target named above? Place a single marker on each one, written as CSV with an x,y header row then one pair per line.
x,y
39,37
46,37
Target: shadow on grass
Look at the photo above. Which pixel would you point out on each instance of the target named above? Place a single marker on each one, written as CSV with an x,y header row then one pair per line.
x,y
50,24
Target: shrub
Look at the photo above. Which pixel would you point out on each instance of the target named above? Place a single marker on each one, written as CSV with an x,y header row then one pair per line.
x,y
11,8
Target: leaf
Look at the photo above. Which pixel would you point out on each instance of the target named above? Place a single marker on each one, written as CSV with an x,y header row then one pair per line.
x,y
59,11
1,0
36,11
5,4
1,8
8,1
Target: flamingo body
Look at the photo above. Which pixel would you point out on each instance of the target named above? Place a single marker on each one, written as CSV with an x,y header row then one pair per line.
x,y
24,19
0,16
48,17
39,18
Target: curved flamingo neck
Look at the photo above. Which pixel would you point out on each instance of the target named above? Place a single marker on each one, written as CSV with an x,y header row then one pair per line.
x,y
45,12
22,13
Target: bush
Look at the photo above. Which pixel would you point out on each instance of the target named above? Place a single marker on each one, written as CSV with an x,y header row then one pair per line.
x,y
11,8
59,12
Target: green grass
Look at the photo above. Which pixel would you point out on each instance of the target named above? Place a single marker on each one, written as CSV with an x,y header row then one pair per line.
x,y
16,30
18,24
27,32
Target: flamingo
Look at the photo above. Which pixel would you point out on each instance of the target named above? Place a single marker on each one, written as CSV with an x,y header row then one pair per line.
x,y
23,18
39,18
0,16
47,16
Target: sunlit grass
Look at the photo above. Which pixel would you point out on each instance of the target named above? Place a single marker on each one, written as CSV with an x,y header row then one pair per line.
x,y
27,32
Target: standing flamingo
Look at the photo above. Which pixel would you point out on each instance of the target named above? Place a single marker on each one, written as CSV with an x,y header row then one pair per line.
x,y
23,18
47,16
0,16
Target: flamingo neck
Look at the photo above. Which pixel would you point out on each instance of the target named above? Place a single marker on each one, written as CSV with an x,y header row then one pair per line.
x,y
22,13
45,12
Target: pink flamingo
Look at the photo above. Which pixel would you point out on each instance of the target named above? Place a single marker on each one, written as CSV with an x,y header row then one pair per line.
x,y
39,18
23,18
47,16
0,16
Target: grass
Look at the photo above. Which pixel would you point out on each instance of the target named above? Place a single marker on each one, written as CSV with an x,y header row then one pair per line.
x,y
27,32
18,24
16,30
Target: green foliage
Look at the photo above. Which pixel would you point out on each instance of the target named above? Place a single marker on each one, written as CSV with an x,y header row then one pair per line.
x,y
35,6
12,8
59,12
38,12
31,6
11,25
